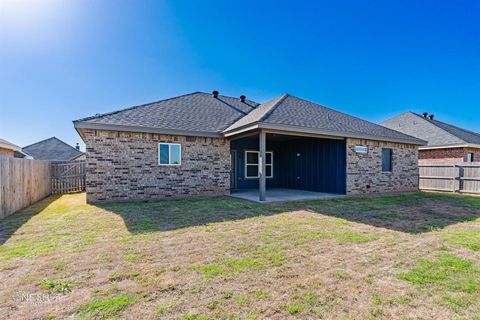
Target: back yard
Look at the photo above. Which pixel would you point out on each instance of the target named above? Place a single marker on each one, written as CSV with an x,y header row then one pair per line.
x,y
408,256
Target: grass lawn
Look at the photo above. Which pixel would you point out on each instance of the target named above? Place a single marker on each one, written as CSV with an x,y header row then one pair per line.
x,y
404,256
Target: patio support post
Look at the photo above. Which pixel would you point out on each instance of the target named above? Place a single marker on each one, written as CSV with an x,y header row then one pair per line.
x,y
261,166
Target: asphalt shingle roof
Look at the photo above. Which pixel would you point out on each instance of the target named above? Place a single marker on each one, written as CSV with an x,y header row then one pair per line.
x,y
436,133
290,110
256,115
196,111
201,112
463,134
52,149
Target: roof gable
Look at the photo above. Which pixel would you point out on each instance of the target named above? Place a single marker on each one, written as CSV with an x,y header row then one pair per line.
x,y
260,113
52,149
294,111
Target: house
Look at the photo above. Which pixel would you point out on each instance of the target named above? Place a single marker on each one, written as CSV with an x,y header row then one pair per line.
x,y
9,149
54,149
446,143
210,144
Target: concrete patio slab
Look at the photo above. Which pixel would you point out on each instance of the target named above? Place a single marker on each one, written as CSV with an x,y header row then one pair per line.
x,y
282,195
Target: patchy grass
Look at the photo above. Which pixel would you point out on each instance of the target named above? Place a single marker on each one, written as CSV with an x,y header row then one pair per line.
x,y
56,286
445,272
412,255
108,307
456,278
469,238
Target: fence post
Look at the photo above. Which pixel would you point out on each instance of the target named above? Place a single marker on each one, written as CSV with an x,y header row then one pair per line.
x,y
456,178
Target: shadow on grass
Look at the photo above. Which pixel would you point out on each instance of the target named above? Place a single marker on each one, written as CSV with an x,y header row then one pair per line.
x,y
408,212
10,224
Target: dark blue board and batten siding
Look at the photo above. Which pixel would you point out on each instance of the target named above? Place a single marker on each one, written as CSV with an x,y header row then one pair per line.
x,y
314,165
311,164
240,146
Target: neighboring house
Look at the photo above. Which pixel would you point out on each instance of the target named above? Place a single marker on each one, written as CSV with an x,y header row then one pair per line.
x,y
446,143
54,149
9,149
208,144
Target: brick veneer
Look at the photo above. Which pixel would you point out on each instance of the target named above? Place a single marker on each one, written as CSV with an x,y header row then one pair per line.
x,y
364,171
124,166
447,155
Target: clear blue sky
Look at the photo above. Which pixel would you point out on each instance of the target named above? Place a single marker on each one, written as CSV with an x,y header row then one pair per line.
x,y
64,60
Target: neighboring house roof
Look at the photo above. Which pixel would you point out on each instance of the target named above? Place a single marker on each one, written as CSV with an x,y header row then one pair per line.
x,y
196,113
52,149
8,145
204,115
17,151
436,133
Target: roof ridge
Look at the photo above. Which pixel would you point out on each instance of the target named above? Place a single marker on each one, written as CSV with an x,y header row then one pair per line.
x,y
273,107
459,128
69,145
41,141
352,116
162,100
135,107
52,138
391,118
233,107
424,119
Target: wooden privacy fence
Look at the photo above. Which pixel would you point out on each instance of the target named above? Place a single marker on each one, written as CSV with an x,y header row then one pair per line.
x,y
22,183
68,176
461,177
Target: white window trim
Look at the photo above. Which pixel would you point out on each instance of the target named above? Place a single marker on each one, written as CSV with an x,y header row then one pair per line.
x,y
170,154
258,175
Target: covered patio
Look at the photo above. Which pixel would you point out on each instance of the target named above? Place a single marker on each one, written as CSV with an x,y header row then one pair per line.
x,y
272,166
281,195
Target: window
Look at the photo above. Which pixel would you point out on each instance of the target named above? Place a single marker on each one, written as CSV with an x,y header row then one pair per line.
x,y
470,157
251,164
386,159
169,154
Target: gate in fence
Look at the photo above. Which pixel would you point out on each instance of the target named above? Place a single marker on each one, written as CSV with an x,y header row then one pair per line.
x,y
462,177
68,176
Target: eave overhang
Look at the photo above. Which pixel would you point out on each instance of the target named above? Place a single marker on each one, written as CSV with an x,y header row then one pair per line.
x,y
465,145
80,125
322,132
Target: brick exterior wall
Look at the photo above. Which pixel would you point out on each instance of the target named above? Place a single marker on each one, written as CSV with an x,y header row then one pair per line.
x,y
364,171
6,152
447,155
124,166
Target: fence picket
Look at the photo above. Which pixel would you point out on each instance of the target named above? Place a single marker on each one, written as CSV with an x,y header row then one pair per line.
x,y
460,177
22,183
68,176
